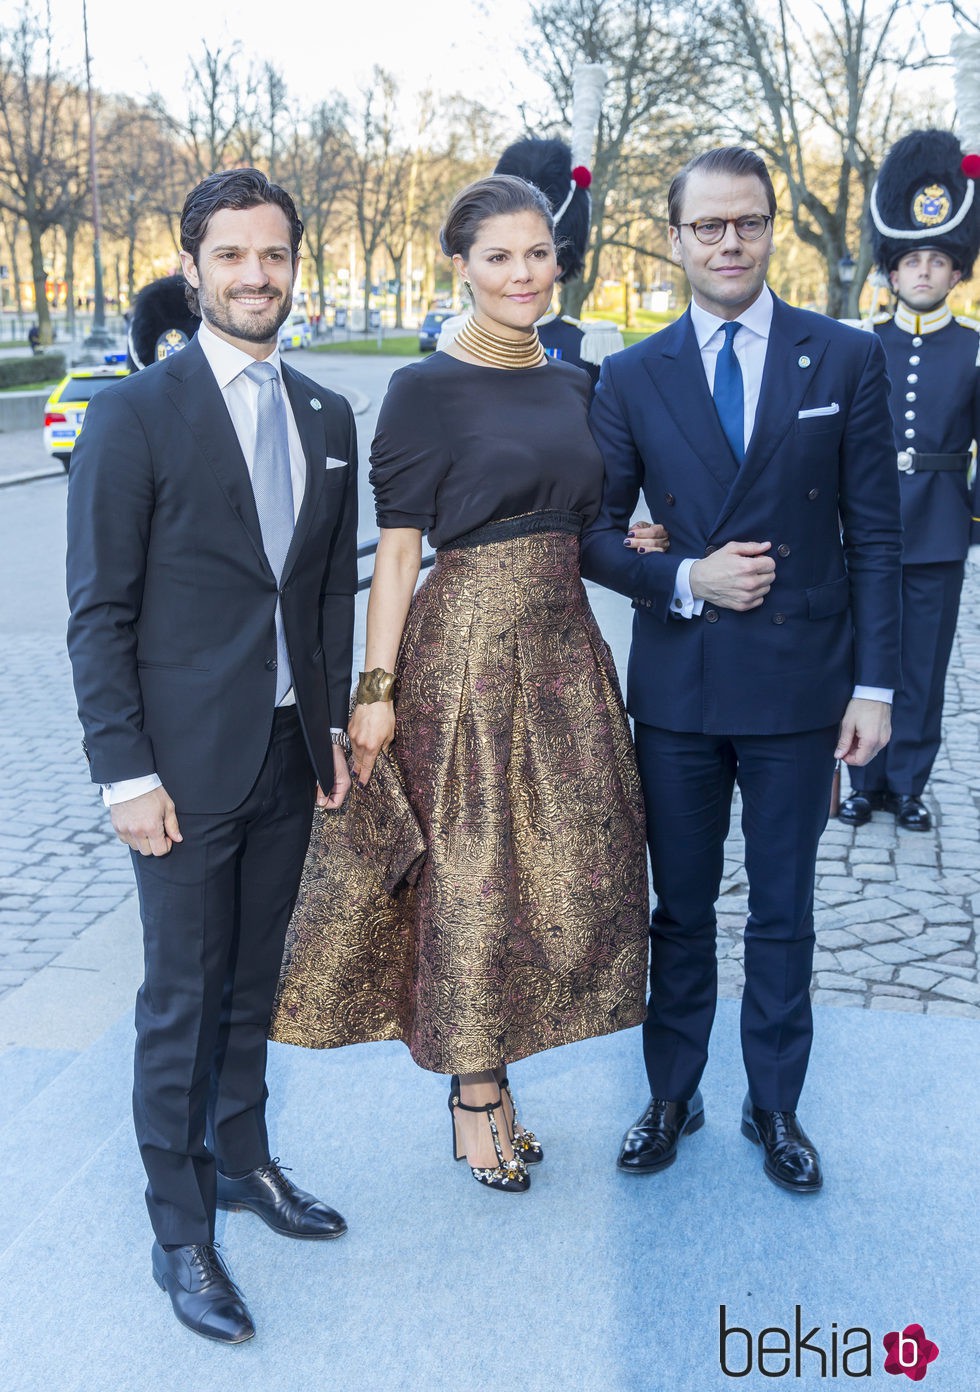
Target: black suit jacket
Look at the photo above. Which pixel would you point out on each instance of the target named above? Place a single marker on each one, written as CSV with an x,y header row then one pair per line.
x,y
172,629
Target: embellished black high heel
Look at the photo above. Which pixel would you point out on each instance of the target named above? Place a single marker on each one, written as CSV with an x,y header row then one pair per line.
x,y
526,1143
510,1176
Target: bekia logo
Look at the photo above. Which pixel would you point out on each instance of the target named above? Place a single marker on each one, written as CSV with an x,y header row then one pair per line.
x,y
909,1352
815,1352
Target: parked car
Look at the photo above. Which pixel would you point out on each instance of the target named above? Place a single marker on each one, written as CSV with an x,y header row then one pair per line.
x,y
297,332
64,410
430,326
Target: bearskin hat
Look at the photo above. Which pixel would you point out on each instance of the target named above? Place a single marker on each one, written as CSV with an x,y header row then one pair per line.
x,y
548,165
923,199
161,322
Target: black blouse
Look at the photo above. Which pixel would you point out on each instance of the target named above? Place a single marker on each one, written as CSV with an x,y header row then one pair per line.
x,y
459,445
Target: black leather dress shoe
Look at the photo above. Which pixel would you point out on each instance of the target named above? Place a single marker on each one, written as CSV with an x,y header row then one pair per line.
x,y
287,1210
912,814
651,1144
857,809
790,1158
203,1295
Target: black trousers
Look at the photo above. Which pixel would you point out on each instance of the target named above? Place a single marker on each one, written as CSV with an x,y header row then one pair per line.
x,y
930,608
215,912
688,780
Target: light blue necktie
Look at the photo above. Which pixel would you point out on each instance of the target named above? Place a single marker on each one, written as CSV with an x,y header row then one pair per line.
x,y
728,392
273,489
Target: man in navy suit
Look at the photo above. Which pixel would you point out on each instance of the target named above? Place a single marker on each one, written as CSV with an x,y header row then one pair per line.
x,y
765,641
211,577
925,233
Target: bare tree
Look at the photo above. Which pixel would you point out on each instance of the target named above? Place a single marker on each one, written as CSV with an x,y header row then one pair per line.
x,y
377,167
210,126
824,89
655,52
316,168
39,153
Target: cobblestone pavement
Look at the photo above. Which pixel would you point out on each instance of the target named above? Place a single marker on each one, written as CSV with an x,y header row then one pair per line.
x,y
895,910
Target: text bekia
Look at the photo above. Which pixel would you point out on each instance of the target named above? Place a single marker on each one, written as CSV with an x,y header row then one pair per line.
x,y
776,1352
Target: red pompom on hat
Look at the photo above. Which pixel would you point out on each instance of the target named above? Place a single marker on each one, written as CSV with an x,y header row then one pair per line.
x,y
970,166
582,177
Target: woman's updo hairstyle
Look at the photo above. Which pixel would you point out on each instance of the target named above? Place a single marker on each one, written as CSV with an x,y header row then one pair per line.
x,y
495,196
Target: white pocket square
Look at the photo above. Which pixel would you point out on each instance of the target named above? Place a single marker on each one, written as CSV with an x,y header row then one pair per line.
x,y
331,463
830,410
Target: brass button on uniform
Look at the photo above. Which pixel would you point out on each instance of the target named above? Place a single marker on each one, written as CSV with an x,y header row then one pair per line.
x,y
914,360
910,415
782,549
779,618
917,342
913,377
711,615
910,434
910,396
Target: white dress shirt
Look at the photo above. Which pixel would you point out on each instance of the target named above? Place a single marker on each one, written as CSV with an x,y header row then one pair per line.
x,y
750,347
241,396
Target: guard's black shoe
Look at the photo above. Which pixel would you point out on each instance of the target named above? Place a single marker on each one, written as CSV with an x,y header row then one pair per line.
x,y
857,809
912,814
203,1295
790,1158
287,1210
651,1143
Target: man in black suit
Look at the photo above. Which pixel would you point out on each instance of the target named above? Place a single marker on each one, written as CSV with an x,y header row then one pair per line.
x,y
211,578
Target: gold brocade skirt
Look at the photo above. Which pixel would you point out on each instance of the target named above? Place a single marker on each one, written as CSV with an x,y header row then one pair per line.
x,y
527,926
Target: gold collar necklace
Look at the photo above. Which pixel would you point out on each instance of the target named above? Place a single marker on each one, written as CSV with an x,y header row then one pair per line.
x,y
495,351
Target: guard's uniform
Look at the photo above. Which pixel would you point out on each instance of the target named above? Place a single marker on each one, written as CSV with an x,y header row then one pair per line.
x,y
935,404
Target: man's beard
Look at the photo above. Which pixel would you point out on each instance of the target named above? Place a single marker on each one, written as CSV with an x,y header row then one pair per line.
x,y
219,314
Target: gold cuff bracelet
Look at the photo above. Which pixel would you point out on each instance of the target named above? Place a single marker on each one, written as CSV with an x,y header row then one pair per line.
x,y
375,685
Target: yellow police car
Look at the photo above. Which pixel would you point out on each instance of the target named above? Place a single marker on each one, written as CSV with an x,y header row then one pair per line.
x,y
64,410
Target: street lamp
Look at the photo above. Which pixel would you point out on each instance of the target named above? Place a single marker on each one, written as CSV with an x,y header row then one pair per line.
x,y
99,336
846,267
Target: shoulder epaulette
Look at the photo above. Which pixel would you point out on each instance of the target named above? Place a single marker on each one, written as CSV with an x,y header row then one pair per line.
x,y
967,322
567,319
599,339
884,317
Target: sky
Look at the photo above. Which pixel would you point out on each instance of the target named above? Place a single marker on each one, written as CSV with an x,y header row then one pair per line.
x,y
470,46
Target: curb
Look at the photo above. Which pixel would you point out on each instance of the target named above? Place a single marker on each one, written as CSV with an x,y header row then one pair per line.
x,y
31,477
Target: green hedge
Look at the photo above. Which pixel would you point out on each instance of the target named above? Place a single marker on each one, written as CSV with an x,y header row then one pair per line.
x,y
24,372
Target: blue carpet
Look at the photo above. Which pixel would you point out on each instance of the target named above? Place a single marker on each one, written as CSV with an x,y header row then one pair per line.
x,y
24,1072
593,1281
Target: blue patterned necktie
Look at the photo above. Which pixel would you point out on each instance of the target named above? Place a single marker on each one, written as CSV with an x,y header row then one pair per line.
x,y
273,489
728,392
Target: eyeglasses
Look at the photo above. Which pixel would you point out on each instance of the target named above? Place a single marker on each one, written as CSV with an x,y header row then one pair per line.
x,y
711,230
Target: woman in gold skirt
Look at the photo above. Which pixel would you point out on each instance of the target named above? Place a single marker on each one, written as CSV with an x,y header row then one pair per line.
x,y
527,927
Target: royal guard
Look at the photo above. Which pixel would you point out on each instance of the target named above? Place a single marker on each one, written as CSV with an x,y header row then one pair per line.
x,y
562,173
925,228
161,323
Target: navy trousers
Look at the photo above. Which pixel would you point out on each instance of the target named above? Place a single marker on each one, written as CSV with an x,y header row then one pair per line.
x,y
215,912
930,608
688,780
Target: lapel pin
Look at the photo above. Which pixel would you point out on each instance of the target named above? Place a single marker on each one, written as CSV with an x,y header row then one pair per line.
x,y
804,361
316,405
